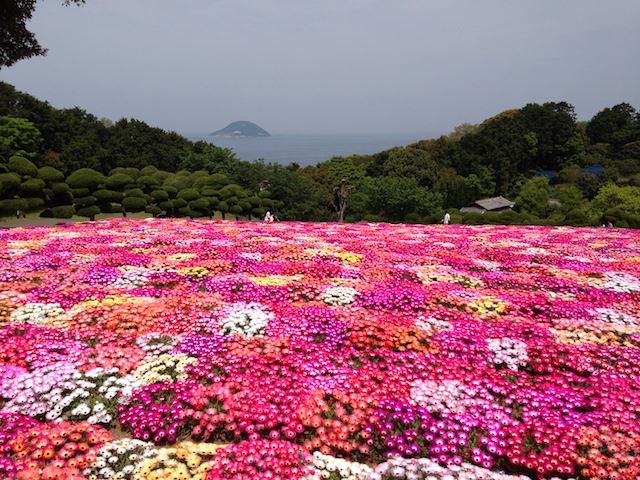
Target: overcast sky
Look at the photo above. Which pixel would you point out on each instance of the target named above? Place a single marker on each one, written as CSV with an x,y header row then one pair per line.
x,y
329,66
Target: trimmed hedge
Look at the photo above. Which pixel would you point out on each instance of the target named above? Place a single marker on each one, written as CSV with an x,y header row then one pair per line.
x,y
59,188
11,205
88,212
86,178
189,194
135,192
83,202
134,204
80,192
10,181
104,196
159,195
118,181
33,186
50,174
35,203
22,166
63,211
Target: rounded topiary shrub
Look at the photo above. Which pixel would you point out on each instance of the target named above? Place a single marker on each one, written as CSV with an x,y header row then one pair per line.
x,y
153,210
104,196
83,202
189,194
63,198
167,206
208,191
86,178
61,187
63,211
235,209
11,205
46,213
147,181
134,204
148,170
118,181
10,181
132,172
50,174
159,195
22,166
115,208
35,203
33,186
259,212
80,192
199,204
89,212
135,192
179,203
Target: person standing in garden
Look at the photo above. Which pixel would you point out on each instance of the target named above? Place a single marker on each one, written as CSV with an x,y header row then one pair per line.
x,y
447,218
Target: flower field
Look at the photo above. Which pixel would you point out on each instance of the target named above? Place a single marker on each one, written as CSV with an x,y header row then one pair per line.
x,y
179,349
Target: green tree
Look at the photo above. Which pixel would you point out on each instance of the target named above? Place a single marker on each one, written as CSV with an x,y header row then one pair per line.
x,y
395,197
534,197
18,135
612,196
16,41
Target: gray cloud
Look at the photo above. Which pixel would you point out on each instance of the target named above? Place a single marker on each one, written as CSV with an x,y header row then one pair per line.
x,y
327,66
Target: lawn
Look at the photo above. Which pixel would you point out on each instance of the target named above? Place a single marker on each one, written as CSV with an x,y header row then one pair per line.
x,y
175,349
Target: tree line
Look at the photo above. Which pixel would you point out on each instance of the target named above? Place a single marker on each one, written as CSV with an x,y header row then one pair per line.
x,y
557,169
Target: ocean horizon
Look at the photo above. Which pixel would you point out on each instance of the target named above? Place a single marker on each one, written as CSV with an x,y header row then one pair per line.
x,y
310,149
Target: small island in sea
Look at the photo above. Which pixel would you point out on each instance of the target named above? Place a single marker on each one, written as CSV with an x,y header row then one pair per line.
x,y
241,129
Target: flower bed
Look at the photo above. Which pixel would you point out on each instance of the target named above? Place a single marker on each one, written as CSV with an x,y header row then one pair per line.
x,y
182,349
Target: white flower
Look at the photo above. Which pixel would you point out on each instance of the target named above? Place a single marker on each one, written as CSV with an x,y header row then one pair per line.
x,y
509,352
339,296
249,319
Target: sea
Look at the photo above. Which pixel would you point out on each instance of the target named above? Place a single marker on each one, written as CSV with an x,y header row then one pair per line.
x,y
310,149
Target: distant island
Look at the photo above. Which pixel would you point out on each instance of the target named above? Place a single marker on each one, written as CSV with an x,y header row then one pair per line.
x,y
241,129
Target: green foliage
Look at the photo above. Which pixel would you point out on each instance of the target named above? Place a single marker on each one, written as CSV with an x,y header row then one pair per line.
x,y
188,194
534,197
89,212
80,192
570,197
134,204
617,125
82,202
395,197
86,178
135,192
33,186
18,135
612,196
63,211
147,181
10,182
50,174
159,195
22,166
9,206
108,196
118,181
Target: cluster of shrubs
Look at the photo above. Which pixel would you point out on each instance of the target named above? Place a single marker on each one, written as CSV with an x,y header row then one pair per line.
x,y
87,192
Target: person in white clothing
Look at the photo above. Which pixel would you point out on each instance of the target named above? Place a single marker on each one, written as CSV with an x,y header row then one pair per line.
x,y
447,218
268,217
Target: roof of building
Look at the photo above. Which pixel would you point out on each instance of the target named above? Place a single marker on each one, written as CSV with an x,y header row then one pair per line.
x,y
494,203
472,210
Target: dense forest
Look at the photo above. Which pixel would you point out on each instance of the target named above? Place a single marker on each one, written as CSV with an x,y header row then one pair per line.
x,y
557,170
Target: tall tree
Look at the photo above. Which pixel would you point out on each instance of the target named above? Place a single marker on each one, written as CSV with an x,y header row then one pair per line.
x,y
16,41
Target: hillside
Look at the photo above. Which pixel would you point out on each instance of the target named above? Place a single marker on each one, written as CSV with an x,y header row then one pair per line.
x,y
556,170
